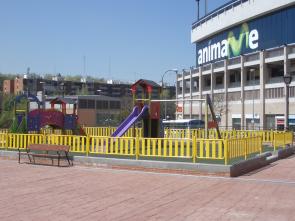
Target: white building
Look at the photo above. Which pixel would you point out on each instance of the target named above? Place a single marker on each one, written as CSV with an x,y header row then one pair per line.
x,y
243,51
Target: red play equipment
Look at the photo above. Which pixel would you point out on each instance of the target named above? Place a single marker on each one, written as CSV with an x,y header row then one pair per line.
x,y
53,117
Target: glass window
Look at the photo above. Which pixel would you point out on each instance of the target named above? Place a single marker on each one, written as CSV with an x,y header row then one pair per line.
x,y
82,104
115,105
91,104
101,104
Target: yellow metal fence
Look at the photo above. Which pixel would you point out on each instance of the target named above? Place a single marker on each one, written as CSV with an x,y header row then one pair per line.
x,y
282,139
266,135
192,148
3,131
108,131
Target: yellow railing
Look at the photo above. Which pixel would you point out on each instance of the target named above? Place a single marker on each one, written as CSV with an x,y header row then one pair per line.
x,y
281,139
3,140
3,131
267,136
112,146
108,131
210,149
242,147
78,144
192,148
164,147
15,141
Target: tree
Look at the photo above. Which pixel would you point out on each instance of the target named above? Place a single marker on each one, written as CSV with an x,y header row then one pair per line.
x,y
126,108
83,91
6,116
219,105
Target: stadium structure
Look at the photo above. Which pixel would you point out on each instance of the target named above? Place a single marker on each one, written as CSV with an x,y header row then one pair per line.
x,y
245,56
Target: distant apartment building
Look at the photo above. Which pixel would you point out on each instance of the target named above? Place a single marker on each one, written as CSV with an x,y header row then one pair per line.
x,y
58,86
8,87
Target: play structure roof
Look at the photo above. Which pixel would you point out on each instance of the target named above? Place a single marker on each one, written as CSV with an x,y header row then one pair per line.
x,y
144,83
62,100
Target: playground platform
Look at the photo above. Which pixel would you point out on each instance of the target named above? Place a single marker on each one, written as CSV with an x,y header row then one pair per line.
x,y
32,192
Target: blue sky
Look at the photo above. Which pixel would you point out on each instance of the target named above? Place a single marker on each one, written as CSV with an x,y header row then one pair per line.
x,y
120,39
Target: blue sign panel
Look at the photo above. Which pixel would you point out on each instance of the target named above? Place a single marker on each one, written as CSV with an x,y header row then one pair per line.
x,y
269,31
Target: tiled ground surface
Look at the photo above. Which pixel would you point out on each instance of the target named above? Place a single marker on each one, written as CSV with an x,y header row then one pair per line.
x,y
34,192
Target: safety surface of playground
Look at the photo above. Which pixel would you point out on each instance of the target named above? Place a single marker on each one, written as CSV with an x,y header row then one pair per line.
x,y
34,192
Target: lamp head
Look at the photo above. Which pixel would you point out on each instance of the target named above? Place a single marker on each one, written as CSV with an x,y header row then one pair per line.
x,y
287,79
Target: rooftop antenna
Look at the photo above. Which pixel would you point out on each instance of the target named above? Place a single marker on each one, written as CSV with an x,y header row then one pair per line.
x,y
110,67
198,4
206,7
84,66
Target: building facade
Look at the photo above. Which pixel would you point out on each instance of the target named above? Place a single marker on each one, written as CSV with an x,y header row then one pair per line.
x,y
243,51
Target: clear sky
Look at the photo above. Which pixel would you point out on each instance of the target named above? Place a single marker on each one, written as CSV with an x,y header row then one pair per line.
x,y
120,39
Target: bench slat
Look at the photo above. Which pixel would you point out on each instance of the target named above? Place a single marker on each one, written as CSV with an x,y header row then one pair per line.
x,y
49,147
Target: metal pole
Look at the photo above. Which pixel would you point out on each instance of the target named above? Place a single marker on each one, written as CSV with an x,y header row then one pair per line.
x,y
206,118
162,82
43,96
165,110
287,107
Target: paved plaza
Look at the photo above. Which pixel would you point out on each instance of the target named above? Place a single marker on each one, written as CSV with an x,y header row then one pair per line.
x,y
35,192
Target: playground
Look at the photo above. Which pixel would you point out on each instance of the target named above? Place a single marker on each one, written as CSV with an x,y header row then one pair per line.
x,y
147,172
148,142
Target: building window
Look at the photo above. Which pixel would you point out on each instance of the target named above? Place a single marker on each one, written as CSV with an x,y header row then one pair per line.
x,y
207,82
83,104
91,104
219,80
115,105
277,71
195,84
102,104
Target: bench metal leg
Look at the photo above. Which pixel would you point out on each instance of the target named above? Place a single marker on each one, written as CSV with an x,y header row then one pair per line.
x,y
67,156
18,156
58,158
29,156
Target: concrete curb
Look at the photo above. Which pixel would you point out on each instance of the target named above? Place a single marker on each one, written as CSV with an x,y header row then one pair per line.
x,y
285,152
149,164
12,155
249,165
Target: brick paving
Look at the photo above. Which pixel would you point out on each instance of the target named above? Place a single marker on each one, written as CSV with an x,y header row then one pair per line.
x,y
35,192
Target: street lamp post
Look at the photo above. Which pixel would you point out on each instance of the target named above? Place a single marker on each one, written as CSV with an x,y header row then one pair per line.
x,y
287,80
63,88
43,94
162,84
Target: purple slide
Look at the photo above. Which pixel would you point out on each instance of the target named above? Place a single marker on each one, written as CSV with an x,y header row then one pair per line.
x,y
129,121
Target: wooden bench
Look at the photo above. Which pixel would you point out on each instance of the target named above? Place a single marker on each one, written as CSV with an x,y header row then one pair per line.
x,y
46,151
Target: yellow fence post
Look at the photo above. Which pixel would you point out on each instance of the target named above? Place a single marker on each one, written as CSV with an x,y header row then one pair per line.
x,y
274,141
7,140
137,147
246,144
194,149
225,143
260,145
87,145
